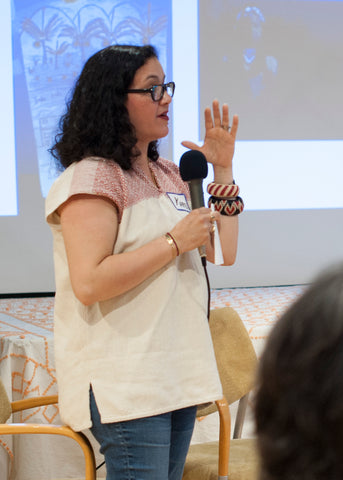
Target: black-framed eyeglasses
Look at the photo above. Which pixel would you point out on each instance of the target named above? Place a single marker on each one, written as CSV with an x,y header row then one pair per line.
x,y
156,91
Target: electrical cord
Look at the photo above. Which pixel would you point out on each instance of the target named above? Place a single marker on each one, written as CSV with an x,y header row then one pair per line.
x,y
203,261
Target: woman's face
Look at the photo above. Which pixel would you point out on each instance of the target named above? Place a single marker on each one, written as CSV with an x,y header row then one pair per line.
x,y
149,118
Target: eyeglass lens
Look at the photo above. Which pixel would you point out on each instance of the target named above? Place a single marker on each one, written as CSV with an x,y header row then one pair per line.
x,y
158,91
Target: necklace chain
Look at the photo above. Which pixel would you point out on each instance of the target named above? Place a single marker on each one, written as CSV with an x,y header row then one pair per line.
x,y
153,175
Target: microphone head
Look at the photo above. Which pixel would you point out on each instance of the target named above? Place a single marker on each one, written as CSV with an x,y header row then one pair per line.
x,y
193,165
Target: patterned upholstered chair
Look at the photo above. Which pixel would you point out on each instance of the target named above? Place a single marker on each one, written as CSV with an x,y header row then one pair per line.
x,y
7,408
236,458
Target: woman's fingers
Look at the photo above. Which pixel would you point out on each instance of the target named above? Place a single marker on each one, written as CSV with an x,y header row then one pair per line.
x,y
194,230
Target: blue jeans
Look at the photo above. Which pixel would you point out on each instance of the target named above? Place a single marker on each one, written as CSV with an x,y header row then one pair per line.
x,y
151,448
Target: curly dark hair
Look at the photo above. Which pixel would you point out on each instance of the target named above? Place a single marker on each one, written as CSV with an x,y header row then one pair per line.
x,y
97,122
299,395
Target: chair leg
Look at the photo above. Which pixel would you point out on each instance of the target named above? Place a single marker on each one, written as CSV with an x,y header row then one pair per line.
x,y
224,438
240,416
82,440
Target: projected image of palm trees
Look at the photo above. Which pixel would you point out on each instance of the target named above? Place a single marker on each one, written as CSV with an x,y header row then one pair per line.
x,y
55,43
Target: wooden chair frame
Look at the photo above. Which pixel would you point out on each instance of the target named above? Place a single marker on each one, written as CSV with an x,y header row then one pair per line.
x,y
35,428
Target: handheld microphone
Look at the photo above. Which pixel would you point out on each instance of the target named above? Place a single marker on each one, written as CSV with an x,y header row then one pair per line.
x,y
193,169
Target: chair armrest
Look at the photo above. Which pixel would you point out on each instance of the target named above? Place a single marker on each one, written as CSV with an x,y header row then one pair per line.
x,y
33,402
79,437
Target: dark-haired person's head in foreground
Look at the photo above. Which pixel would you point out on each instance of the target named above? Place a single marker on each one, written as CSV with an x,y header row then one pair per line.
x,y
299,399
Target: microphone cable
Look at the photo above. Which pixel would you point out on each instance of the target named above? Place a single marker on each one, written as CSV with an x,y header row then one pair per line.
x,y
203,261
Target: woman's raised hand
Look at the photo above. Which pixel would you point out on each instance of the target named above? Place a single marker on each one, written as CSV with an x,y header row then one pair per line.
x,y
220,137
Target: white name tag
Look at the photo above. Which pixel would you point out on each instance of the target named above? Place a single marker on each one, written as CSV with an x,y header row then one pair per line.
x,y
179,201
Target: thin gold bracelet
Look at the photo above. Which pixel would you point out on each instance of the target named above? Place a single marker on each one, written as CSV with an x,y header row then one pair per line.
x,y
170,239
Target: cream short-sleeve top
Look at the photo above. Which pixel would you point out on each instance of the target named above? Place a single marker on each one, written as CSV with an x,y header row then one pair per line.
x,y
149,350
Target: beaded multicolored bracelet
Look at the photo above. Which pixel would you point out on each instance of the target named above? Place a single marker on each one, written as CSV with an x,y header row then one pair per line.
x,y
223,190
228,206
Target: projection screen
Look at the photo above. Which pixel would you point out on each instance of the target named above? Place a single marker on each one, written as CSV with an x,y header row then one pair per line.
x,y
277,63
